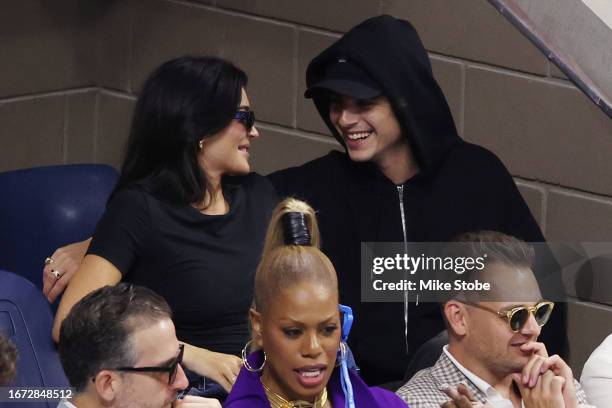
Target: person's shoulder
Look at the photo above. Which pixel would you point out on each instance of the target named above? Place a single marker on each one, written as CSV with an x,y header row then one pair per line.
x,y
599,363
257,188
387,398
422,390
333,159
473,156
131,197
312,176
130,192
422,379
604,350
474,165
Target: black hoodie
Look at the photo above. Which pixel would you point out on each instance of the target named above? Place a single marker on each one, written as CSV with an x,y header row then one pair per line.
x,y
390,51
460,187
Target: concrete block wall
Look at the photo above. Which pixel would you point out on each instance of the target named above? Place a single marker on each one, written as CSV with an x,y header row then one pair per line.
x,y
71,71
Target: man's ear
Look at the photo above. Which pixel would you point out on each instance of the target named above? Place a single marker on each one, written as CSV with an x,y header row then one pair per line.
x,y
107,385
255,317
456,317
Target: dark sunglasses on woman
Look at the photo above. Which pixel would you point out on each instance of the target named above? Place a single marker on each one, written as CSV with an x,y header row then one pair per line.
x,y
247,118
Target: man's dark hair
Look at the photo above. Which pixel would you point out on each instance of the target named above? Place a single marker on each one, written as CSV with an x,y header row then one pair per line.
x,y
96,333
8,360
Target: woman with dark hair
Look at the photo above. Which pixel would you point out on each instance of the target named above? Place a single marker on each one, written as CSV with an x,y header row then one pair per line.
x,y
298,327
187,219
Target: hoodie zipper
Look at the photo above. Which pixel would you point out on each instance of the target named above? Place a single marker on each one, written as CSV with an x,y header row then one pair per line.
x,y
400,192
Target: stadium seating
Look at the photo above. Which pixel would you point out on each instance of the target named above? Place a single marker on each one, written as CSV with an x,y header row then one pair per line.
x,y
25,318
47,207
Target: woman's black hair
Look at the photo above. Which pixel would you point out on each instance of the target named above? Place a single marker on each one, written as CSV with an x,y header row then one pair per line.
x,y
183,101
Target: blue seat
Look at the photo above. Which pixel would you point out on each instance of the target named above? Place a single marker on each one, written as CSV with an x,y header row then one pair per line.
x,y
25,318
45,208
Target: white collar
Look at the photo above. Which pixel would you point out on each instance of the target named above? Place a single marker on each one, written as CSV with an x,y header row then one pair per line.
x,y
64,403
492,395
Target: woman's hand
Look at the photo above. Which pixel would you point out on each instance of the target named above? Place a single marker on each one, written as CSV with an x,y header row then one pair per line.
x,y
222,368
63,263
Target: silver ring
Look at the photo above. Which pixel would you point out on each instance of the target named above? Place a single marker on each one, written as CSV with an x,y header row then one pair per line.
x,y
56,273
49,260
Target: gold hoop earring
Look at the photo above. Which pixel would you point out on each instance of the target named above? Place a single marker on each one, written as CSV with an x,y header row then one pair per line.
x,y
245,361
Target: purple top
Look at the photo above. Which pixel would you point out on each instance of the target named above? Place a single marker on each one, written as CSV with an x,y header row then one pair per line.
x,y
249,393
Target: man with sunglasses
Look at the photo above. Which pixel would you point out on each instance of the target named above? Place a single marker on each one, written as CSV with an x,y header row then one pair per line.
x,y
118,348
493,347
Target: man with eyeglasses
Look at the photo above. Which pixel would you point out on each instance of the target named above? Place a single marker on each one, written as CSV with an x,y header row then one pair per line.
x,y
493,356
118,348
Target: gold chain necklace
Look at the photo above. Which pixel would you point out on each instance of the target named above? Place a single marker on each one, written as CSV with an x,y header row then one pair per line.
x,y
276,401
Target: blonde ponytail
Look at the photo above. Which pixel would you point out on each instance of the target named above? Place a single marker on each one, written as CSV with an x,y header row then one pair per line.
x,y
291,252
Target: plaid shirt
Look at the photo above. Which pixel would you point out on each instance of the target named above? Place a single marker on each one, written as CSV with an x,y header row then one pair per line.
x,y
425,389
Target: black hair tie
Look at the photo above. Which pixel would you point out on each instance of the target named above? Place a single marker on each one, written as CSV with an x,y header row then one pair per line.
x,y
296,230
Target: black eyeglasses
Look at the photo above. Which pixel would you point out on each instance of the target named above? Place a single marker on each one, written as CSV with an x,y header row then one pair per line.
x,y
518,316
247,118
171,369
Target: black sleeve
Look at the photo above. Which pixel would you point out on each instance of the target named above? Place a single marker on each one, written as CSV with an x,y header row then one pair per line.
x,y
310,179
121,232
497,193
284,181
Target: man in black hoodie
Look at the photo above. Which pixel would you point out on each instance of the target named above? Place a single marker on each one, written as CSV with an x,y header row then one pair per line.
x,y
407,176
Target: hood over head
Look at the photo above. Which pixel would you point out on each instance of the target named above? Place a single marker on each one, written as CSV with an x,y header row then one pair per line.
x,y
386,53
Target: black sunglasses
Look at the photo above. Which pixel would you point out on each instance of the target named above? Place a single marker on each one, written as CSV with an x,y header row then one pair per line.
x,y
172,369
518,316
247,118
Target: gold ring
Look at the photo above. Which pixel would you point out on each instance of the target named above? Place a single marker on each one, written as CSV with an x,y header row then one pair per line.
x,y
48,260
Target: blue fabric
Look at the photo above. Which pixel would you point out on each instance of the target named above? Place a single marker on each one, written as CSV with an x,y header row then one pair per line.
x,y
45,208
25,318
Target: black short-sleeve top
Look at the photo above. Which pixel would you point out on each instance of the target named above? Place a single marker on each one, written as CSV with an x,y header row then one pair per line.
x,y
203,265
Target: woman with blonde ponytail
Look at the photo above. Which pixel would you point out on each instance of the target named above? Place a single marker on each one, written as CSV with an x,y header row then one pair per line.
x,y
298,330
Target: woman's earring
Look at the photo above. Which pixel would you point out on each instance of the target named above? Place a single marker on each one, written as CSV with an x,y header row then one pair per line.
x,y
245,361
201,144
